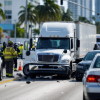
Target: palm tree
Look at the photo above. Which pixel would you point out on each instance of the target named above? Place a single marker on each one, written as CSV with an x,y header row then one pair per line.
x,y
66,16
31,14
48,12
2,13
1,35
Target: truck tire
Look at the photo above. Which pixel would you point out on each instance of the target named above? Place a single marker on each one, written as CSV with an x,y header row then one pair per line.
x,y
26,70
68,76
1,74
32,76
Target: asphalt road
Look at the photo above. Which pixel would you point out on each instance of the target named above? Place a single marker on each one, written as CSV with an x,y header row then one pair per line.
x,y
41,88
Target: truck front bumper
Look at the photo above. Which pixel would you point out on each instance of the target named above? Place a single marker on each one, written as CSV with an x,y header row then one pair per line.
x,y
48,69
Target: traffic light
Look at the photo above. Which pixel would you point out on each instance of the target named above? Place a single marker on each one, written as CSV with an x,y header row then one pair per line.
x,y
61,2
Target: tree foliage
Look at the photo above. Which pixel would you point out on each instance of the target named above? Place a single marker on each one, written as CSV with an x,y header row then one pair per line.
x,y
36,31
19,32
2,13
98,27
66,16
1,35
84,19
49,11
31,14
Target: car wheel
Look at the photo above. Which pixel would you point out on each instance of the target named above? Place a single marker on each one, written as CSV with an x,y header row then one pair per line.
x,y
32,76
84,96
26,70
78,79
1,74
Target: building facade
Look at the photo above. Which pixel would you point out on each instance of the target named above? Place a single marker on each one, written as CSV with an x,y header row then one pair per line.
x,y
80,11
97,9
12,7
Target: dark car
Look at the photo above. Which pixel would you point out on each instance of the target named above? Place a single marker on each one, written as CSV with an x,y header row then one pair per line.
x,y
84,64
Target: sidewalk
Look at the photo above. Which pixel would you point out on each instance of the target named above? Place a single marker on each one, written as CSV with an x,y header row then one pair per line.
x,y
17,75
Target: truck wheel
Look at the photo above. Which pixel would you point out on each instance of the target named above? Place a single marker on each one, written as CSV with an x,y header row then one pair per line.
x,y
26,70
68,76
32,76
1,74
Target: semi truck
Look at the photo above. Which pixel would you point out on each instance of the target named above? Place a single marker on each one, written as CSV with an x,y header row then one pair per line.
x,y
60,46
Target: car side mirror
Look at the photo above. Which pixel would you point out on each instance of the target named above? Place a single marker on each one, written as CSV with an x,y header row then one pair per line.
x,y
27,53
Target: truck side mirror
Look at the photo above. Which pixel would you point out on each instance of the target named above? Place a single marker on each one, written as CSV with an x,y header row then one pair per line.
x,y
27,53
77,43
31,41
71,43
65,51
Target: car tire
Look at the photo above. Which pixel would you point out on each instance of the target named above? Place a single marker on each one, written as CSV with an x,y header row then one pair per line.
x,y
26,70
78,79
1,74
32,76
84,96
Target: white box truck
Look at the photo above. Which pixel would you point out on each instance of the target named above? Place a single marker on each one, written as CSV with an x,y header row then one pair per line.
x,y
60,47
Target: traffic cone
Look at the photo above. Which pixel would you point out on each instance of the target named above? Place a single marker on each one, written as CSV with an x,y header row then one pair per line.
x,y
20,67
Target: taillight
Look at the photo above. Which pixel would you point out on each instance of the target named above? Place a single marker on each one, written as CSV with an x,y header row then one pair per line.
x,y
93,78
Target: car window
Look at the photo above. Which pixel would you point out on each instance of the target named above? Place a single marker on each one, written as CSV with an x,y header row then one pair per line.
x,y
97,62
90,56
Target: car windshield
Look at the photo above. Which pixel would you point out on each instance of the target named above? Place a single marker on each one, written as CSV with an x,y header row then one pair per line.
x,y
90,56
53,43
97,62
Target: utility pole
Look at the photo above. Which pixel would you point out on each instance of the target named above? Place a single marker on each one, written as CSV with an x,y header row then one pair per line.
x,y
15,31
25,35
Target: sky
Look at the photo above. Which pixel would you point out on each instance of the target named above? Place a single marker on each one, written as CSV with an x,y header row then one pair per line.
x,y
64,3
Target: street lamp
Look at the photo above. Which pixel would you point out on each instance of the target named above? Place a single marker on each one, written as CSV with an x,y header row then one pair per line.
x,y
25,35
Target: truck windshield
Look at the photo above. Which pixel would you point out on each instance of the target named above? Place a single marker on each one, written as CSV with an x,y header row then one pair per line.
x,y
53,43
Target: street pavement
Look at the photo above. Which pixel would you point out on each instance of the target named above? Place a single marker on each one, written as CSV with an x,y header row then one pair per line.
x,y
17,75
41,88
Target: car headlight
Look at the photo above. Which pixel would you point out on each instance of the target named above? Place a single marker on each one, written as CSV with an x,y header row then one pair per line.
x,y
33,59
65,61
80,66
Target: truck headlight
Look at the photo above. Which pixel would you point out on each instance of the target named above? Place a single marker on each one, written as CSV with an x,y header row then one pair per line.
x,y
33,59
65,61
80,66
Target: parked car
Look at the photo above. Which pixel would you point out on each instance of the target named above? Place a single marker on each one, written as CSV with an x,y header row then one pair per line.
x,y
91,80
85,63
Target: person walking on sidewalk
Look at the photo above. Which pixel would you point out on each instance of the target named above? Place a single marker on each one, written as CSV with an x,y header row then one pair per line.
x,y
8,54
16,57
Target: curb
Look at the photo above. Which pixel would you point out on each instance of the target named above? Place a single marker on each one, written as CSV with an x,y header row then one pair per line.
x,y
10,80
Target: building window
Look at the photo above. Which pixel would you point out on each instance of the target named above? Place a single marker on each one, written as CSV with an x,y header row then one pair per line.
x,y
8,12
8,16
8,3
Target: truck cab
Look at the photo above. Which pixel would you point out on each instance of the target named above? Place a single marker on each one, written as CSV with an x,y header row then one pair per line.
x,y
55,50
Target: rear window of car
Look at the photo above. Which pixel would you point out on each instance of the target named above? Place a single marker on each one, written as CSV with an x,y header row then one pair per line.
x,y
97,62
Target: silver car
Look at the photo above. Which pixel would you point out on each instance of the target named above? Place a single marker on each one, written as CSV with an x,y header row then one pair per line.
x,y
91,80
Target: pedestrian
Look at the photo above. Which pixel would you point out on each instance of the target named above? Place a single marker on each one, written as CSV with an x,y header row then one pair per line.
x,y
16,57
8,54
21,50
2,57
95,47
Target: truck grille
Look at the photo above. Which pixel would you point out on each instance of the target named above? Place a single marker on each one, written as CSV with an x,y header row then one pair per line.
x,y
48,58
